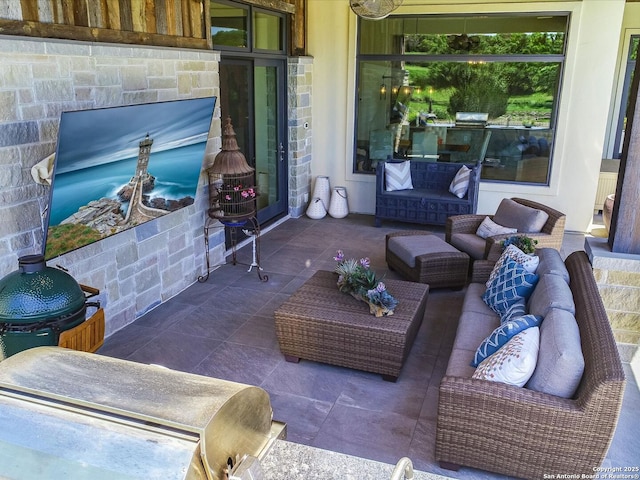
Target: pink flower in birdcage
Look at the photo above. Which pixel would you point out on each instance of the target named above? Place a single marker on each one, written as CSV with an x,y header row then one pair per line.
x,y
252,192
245,194
227,197
237,188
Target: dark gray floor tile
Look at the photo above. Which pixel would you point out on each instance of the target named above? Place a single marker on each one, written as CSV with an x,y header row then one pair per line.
x,y
165,315
275,281
384,436
430,404
239,363
209,321
175,350
239,300
308,379
303,416
625,447
258,331
400,397
422,448
126,341
274,302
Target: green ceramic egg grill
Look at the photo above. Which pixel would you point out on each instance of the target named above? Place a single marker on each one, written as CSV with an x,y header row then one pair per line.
x,y
36,304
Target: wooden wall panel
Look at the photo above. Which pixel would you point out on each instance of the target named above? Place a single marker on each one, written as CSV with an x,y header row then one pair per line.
x,y
183,22
138,11
112,16
68,17
80,13
56,12
195,17
186,23
52,30
126,16
176,7
161,16
29,10
95,17
150,17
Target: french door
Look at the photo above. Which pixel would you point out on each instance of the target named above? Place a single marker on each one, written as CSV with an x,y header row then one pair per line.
x,y
253,94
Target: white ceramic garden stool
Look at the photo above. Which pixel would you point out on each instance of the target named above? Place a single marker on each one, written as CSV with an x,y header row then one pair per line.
x,y
339,207
322,190
316,209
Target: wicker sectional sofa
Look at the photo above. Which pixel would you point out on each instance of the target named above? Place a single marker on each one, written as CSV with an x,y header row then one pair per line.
x,y
517,431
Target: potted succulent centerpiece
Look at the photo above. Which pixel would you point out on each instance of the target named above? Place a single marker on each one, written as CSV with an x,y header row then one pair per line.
x,y
356,278
523,242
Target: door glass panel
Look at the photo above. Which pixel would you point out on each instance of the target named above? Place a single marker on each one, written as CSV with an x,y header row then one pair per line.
x,y
268,150
228,25
267,31
235,103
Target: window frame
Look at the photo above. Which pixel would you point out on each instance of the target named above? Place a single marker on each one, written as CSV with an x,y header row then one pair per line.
x,y
251,10
557,58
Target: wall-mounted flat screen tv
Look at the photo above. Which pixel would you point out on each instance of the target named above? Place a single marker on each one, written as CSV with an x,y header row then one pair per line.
x,y
119,167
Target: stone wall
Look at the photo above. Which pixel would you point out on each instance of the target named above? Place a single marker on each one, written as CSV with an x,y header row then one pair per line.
x,y
300,133
618,279
144,266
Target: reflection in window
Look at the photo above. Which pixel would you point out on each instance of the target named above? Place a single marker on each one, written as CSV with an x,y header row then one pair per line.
x,y
267,31
460,89
228,25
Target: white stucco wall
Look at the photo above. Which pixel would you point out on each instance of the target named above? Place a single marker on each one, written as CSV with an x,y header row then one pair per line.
x,y
591,72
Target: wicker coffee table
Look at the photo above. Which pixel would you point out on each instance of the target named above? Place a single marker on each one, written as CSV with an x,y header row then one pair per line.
x,y
322,324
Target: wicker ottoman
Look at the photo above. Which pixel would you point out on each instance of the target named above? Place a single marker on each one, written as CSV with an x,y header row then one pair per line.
x,y
425,258
322,324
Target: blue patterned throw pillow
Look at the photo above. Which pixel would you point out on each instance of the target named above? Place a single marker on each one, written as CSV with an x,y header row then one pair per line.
x,y
515,310
501,335
511,284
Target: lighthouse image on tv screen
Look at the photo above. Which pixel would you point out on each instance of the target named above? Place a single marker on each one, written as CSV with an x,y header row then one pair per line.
x,y
119,167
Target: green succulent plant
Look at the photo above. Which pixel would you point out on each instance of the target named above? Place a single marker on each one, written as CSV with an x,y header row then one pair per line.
x,y
523,242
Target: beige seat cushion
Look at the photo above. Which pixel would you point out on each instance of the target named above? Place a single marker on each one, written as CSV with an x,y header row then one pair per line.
x,y
408,247
524,219
551,292
560,360
551,262
470,243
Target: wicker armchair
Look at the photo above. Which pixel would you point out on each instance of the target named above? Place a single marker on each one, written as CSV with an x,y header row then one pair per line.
x,y
550,236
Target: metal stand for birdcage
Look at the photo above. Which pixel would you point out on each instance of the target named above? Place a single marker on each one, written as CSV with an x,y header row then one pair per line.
x,y
252,230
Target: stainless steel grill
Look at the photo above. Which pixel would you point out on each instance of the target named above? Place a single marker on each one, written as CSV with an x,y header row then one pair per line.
x,y
69,414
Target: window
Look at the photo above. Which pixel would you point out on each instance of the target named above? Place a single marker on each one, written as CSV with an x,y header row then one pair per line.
x,y
232,30
229,25
461,89
268,31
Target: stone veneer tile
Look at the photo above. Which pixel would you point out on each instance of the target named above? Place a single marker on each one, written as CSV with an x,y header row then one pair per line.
x,y
620,298
8,106
624,320
631,338
624,278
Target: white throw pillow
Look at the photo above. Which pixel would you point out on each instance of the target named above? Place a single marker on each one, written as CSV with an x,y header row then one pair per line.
x,y
489,228
460,183
398,176
528,262
515,362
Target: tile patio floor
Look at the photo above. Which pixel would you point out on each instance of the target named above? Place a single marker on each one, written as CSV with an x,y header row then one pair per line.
x,y
224,328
